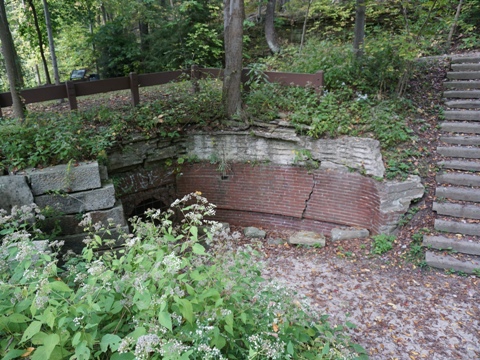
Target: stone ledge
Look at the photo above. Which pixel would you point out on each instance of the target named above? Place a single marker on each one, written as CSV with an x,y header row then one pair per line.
x,y
14,190
97,199
75,242
69,178
69,223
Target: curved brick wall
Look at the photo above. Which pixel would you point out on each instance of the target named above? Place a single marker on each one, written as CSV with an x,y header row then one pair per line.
x,y
285,196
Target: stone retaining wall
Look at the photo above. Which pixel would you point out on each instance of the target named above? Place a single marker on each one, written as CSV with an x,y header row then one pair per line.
x,y
266,177
70,191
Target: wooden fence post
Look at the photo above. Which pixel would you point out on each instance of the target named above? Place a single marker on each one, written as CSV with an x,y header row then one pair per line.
x,y
319,85
72,98
195,76
134,88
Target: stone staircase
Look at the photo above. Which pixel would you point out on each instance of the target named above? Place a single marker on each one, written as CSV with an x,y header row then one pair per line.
x,y
456,244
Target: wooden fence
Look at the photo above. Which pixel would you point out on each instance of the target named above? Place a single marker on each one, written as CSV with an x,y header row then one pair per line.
x,y
72,89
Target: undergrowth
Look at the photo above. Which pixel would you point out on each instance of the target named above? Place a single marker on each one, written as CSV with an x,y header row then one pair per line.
x,y
163,296
358,100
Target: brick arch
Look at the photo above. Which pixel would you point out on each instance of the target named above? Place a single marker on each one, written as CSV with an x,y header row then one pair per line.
x,y
290,197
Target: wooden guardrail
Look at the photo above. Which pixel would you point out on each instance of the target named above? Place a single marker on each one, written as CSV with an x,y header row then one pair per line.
x,y
72,89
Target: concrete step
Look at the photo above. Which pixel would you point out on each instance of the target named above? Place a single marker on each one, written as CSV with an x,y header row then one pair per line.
x,y
466,59
465,115
463,75
442,243
460,165
461,140
456,227
466,67
458,179
462,94
461,85
458,193
463,104
457,210
459,152
460,127
444,261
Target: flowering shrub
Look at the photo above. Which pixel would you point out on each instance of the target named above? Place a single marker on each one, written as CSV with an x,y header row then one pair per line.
x,y
162,296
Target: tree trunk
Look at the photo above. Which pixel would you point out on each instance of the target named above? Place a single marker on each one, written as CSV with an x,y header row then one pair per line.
x,y
40,40
11,61
51,43
304,29
359,29
270,35
455,21
233,32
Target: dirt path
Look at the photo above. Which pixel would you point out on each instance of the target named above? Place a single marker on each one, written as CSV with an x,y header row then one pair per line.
x,y
401,312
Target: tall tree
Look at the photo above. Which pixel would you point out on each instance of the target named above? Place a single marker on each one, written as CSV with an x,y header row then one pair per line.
x,y
51,43
270,34
11,64
233,15
359,36
40,39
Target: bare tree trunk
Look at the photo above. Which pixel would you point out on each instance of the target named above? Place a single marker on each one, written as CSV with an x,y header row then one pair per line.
x,y
233,32
11,64
37,72
304,29
359,29
40,40
51,44
270,35
454,25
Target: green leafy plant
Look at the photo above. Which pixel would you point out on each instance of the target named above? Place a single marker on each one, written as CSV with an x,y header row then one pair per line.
x,y
382,243
162,296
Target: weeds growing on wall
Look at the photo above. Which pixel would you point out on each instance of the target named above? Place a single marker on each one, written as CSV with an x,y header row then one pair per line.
x,y
163,296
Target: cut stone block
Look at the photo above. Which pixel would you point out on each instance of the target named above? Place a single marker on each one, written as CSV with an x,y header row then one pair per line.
x,y
348,233
463,104
460,127
461,85
442,243
461,140
464,75
162,154
459,152
76,243
457,210
69,223
458,179
456,193
462,94
254,233
14,190
449,262
97,199
460,165
456,227
69,178
130,155
307,238
465,115
466,67
465,59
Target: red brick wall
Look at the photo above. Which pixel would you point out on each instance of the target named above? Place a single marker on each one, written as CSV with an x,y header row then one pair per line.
x,y
285,196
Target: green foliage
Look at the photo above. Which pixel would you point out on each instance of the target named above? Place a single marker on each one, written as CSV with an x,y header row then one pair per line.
x,y
382,243
408,216
118,52
416,253
48,140
162,296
